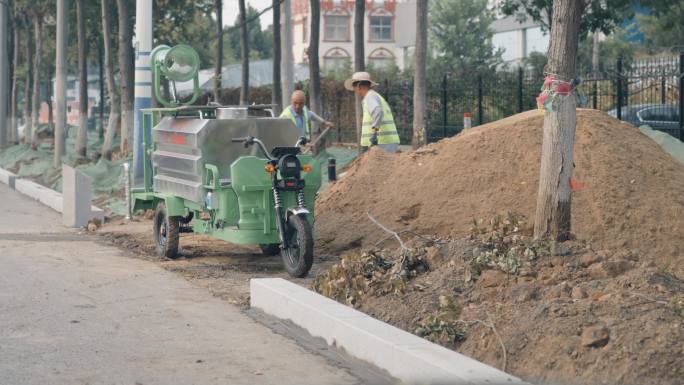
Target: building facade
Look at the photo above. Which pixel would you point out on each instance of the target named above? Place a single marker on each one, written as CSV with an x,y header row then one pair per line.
x,y
518,39
389,33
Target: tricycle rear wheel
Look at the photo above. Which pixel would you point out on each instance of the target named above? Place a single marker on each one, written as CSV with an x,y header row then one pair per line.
x,y
298,257
166,232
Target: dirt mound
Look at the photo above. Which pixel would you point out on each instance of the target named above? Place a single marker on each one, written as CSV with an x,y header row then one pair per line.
x,y
633,199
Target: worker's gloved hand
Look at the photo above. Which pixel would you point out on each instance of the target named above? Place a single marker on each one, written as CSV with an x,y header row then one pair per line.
x,y
374,138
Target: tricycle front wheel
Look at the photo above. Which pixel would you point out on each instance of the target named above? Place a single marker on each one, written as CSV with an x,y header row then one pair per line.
x,y
298,257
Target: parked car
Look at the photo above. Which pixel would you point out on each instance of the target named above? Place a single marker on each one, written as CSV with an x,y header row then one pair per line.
x,y
661,117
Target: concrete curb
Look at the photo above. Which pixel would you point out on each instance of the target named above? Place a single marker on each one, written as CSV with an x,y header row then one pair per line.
x,y
405,356
7,177
42,194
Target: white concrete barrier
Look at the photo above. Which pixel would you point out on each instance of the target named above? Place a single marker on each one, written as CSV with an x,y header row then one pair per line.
x,y
76,197
7,177
405,356
44,195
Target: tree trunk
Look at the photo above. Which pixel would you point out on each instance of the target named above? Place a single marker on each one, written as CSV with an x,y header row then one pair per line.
x,y
82,134
419,82
244,50
126,74
595,54
100,66
219,50
35,112
48,100
4,74
28,61
114,101
286,49
554,197
13,134
359,59
314,71
277,95
61,80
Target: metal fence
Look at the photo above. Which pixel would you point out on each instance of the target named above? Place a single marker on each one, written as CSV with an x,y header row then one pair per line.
x,y
646,91
640,92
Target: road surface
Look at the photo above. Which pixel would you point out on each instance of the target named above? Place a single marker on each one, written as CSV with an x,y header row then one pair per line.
x,y
76,311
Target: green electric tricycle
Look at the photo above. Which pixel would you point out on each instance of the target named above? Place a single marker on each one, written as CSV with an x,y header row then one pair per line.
x,y
233,173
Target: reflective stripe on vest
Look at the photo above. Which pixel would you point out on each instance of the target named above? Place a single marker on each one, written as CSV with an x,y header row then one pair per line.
x,y
387,132
287,113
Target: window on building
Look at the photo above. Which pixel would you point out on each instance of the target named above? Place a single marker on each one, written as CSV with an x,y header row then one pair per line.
x,y
337,28
380,63
380,28
336,59
332,64
381,59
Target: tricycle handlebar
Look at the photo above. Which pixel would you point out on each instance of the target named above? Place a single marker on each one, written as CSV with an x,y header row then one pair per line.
x,y
250,140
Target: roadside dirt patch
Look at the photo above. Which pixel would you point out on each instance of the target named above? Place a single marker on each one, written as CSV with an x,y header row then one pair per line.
x,y
223,268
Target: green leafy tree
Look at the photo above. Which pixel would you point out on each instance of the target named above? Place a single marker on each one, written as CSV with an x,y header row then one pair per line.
x,y
187,22
597,15
260,42
460,35
664,27
613,47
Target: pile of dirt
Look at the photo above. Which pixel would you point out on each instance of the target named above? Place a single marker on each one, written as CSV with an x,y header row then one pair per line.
x,y
546,313
633,197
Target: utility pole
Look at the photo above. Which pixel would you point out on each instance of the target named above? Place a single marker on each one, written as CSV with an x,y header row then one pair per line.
x,y
61,80
143,81
288,58
277,95
4,75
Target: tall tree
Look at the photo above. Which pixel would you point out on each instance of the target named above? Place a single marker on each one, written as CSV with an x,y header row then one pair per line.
x,y
244,55
37,18
28,62
4,73
553,216
314,67
126,74
100,83
14,103
359,59
603,15
663,27
82,134
277,95
114,101
61,81
419,82
259,41
188,22
460,31
219,49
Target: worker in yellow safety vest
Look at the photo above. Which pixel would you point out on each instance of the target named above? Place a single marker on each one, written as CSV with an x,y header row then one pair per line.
x,y
377,125
301,116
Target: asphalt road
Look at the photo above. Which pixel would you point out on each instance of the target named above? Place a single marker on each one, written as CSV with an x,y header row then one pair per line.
x,y
76,311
